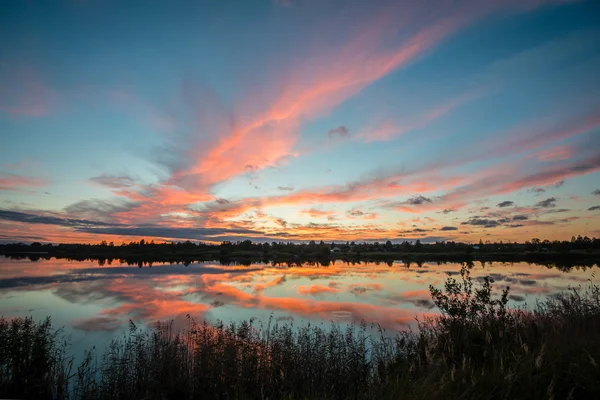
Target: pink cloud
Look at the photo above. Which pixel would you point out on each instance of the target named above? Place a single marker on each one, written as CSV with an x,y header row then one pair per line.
x,y
509,178
18,182
536,135
313,87
389,129
556,153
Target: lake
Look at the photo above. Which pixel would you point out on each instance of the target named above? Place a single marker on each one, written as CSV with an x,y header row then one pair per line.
x,y
94,303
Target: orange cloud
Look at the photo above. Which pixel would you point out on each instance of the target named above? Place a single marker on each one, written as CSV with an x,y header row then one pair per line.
x,y
314,213
314,290
275,282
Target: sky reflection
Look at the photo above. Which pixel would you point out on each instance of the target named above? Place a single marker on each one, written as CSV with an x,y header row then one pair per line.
x,y
88,298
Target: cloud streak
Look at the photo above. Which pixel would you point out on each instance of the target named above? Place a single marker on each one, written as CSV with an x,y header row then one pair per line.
x,y
19,182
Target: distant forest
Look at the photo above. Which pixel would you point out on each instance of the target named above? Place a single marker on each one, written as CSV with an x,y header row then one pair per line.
x,y
581,250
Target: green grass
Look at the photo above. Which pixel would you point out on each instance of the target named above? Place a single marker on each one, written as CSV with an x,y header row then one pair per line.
x,y
477,348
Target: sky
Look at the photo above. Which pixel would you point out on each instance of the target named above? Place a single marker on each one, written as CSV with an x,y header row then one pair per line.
x,y
295,120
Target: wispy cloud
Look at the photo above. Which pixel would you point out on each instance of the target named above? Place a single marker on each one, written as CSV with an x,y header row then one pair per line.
x,y
388,129
115,182
19,182
557,153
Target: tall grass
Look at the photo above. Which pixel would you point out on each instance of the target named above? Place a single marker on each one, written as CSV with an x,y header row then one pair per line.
x,y
33,362
476,348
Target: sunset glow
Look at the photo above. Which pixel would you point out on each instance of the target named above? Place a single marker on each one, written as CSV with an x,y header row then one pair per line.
x,y
295,121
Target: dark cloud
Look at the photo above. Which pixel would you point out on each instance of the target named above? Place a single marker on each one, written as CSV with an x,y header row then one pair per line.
x,y
222,201
94,274
286,188
360,214
98,324
559,184
548,203
536,190
108,228
426,239
505,203
217,303
596,192
416,200
594,208
358,290
448,228
17,216
448,211
520,217
282,222
517,298
215,234
515,225
340,131
43,280
423,303
418,302
538,222
97,209
356,213
559,210
528,282
115,182
415,230
251,168
486,223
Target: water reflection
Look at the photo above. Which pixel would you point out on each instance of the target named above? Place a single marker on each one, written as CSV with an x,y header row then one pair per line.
x,y
90,298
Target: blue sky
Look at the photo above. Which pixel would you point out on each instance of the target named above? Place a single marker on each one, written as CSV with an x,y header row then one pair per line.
x,y
299,120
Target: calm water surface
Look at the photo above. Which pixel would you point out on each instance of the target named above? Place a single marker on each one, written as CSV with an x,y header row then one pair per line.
x,y
95,303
